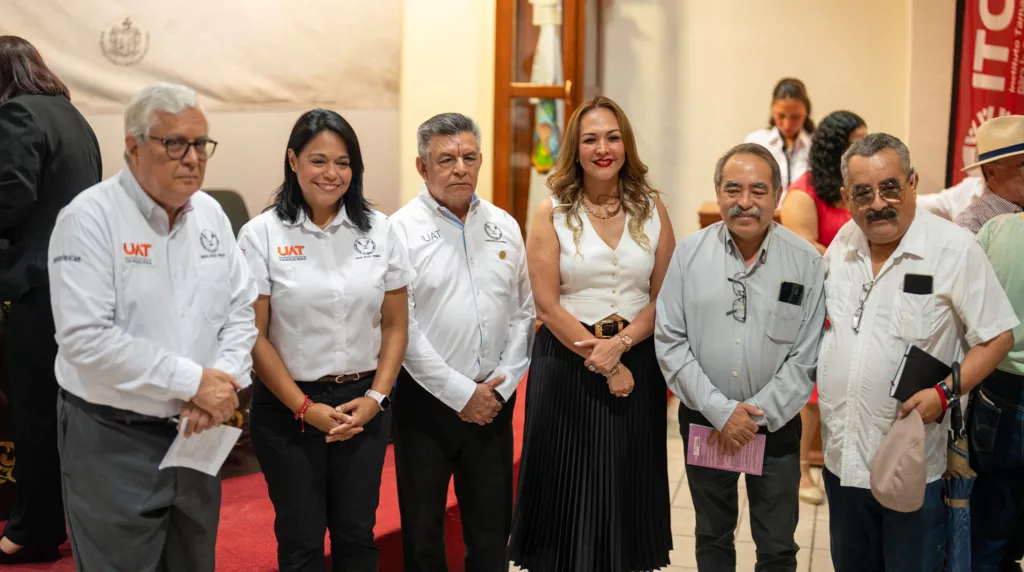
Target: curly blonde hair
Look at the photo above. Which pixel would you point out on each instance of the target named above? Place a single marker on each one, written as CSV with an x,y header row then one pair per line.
x,y
566,179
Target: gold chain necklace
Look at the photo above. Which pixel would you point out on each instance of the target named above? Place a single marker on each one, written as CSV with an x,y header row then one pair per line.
x,y
604,216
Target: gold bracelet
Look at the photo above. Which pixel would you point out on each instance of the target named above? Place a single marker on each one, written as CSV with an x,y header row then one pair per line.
x,y
614,370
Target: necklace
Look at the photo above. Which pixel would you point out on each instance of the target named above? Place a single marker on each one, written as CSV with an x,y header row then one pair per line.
x,y
603,216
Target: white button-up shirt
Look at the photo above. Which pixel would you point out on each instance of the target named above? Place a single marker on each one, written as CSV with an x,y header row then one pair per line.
x,y
967,307
791,164
326,287
471,312
141,308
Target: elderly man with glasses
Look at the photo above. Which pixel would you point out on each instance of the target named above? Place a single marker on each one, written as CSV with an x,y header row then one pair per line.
x,y
153,307
895,278
739,321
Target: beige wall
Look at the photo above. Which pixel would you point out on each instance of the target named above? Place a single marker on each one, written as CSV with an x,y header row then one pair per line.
x,y
695,77
251,147
447,65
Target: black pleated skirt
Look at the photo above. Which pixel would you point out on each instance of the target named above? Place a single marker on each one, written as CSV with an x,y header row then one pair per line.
x,y
593,480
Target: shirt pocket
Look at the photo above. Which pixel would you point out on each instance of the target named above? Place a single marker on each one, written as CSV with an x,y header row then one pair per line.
x,y
913,317
785,320
213,291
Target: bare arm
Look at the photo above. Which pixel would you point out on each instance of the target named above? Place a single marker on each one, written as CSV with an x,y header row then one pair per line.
x,y
801,216
643,326
268,365
394,328
542,261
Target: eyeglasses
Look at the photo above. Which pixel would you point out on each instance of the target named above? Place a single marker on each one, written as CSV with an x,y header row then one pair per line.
x,y
865,290
890,191
739,305
178,148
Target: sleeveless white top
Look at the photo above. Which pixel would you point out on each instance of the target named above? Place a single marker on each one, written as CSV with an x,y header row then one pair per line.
x,y
596,281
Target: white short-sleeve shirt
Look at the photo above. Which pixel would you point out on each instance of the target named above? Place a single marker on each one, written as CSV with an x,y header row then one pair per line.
x,y
326,288
967,306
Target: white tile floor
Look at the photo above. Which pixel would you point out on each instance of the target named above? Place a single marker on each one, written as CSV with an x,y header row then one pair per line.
x,y
811,532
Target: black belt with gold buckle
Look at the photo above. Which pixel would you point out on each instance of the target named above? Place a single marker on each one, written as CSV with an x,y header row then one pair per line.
x,y
348,377
609,327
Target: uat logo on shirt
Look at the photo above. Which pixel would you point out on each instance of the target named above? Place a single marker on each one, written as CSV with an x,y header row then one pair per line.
x,y
137,253
137,249
290,252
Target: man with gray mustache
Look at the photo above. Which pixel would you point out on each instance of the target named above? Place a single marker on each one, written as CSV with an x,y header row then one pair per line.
x,y
897,277
739,322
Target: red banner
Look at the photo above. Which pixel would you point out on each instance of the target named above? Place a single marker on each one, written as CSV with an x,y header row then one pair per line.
x,y
988,73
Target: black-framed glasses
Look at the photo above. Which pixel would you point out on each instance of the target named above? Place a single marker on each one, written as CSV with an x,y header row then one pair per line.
x,y
890,192
865,290
739,305
178,148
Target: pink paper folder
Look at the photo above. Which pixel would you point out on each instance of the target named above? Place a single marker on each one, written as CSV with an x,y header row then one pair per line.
x,y
750,459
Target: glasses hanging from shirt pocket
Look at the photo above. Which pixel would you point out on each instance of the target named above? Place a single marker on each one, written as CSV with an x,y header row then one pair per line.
x,y
784,322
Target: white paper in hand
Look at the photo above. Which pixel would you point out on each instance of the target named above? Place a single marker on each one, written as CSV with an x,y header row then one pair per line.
x,y
205,452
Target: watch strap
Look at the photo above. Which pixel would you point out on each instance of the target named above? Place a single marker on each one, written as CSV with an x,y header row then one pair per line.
x,y
381,399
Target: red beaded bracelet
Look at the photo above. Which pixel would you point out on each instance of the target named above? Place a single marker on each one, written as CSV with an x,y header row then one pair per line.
x,y
301,414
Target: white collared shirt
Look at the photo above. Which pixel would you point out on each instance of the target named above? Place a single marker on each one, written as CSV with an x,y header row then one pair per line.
x,y
326,288
950,202
471,312
791,164
967,307
141,308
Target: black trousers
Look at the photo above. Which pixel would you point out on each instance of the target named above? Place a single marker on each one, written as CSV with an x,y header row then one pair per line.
x,y
317,486
431,445
38,515
773,498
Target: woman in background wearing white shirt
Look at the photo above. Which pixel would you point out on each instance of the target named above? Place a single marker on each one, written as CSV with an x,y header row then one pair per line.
x,y
788,135
333,324
593,482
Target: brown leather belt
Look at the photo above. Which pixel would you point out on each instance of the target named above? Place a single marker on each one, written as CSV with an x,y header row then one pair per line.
x,y
348,377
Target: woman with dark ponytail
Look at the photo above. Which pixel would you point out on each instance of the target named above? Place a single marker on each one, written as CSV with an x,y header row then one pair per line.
x,y
788,135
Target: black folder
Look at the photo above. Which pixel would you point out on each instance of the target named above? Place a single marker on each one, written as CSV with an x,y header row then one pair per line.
x,y
918,370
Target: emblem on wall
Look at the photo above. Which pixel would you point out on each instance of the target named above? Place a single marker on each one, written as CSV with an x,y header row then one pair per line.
x,y
124,43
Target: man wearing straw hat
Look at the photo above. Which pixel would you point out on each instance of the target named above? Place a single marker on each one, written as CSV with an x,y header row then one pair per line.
x,y
1001,158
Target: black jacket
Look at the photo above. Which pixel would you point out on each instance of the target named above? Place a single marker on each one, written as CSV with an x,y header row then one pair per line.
x,y
48,154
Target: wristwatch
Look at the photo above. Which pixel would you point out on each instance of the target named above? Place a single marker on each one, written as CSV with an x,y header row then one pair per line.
x,y
626,340
951,398
498,396
383,401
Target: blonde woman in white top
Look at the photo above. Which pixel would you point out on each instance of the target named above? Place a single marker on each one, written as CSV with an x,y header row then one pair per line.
x,y
593,483
788,135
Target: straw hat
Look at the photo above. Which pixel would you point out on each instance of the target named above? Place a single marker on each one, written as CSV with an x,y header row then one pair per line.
x,y
999,137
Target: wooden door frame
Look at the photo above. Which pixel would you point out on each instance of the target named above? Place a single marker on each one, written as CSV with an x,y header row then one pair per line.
x,y
573,46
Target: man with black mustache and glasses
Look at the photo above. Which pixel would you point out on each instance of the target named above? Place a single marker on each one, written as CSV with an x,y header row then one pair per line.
x,y
897,277
739,321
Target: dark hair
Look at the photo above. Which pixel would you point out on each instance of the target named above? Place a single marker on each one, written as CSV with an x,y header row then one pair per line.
x,y
289,199
750,149
792,88
23,71
874,144
828,144
444,124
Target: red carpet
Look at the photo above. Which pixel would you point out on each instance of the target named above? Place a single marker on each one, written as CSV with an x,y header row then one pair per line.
x,y
246,543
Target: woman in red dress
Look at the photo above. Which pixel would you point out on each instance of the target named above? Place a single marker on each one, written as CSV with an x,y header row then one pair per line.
x,y
814,209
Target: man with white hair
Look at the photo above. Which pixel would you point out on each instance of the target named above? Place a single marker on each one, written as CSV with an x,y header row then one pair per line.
x,y
152,303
